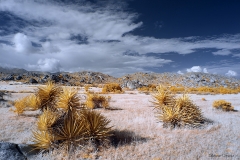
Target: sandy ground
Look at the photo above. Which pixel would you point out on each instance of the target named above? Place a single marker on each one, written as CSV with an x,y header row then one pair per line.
x,y
134,118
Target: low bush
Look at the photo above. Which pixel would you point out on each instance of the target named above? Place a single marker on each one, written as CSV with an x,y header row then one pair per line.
x,y
97,101
112,88
223,105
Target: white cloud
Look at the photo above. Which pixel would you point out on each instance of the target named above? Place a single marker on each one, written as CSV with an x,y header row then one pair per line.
x,y
56,24
46,65
223,52
180,72
195,69
205,70
22,43
231,73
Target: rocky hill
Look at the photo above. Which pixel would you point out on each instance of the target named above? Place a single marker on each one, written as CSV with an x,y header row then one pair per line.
x,y
131,81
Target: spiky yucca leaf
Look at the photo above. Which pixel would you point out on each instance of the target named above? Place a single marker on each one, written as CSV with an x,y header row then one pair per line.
x,y
68,100
189,113
96,125
72,132
32,102
48,95
169,116
46,120
42,140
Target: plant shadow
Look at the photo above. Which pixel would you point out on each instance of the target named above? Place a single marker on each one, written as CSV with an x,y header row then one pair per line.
x,y
124,137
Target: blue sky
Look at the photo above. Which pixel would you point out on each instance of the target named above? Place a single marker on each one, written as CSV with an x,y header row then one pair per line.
x,y
124,37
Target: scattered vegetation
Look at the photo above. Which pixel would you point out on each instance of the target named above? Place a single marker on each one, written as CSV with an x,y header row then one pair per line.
x,y
223,105
112,88
176,111
148,88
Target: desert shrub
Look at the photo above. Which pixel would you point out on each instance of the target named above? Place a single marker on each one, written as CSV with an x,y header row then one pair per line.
x,y
223,105
148,88
176,111
2,93
203,99
112,88
70,126
97,101
45,98
86,87
30,102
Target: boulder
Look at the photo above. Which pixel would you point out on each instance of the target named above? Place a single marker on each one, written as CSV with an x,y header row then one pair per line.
x,y
32,80
9,78
11,151
19,77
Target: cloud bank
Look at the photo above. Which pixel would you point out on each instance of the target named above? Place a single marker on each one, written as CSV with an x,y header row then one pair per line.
x,y
75,37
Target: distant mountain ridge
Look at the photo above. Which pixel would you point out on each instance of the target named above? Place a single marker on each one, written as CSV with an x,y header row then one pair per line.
x,y
132,81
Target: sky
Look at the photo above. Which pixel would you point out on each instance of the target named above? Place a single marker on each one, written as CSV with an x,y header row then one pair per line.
x,y
121,37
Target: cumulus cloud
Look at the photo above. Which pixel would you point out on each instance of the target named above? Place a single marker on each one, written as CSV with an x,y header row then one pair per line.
x,y
22,43
231,73
46,65
58,31
197,69
180,72
205,70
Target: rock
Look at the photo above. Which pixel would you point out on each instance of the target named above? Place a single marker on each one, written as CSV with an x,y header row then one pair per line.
x,y
32,80
82,79
19,77
46,77
11,151
55,78
9,78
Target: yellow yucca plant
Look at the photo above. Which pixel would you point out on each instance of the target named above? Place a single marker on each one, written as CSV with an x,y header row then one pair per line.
x,y
112,88
71,133
48,95
178,111
96,125
163,97
68,100
68,126
189,113
43,140
46,120
96,101
32,102
224,105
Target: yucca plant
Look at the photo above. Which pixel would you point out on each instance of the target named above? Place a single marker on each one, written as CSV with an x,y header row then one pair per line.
x,y
48,95
163,97
20,106
47,119
71,133
43,140
68,125
176,112
96,126
223,105
68,100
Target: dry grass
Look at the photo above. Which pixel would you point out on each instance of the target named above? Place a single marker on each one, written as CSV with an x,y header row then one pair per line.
x,y
140,136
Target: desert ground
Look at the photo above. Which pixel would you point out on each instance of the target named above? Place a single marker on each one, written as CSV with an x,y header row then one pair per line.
x,y
140,135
